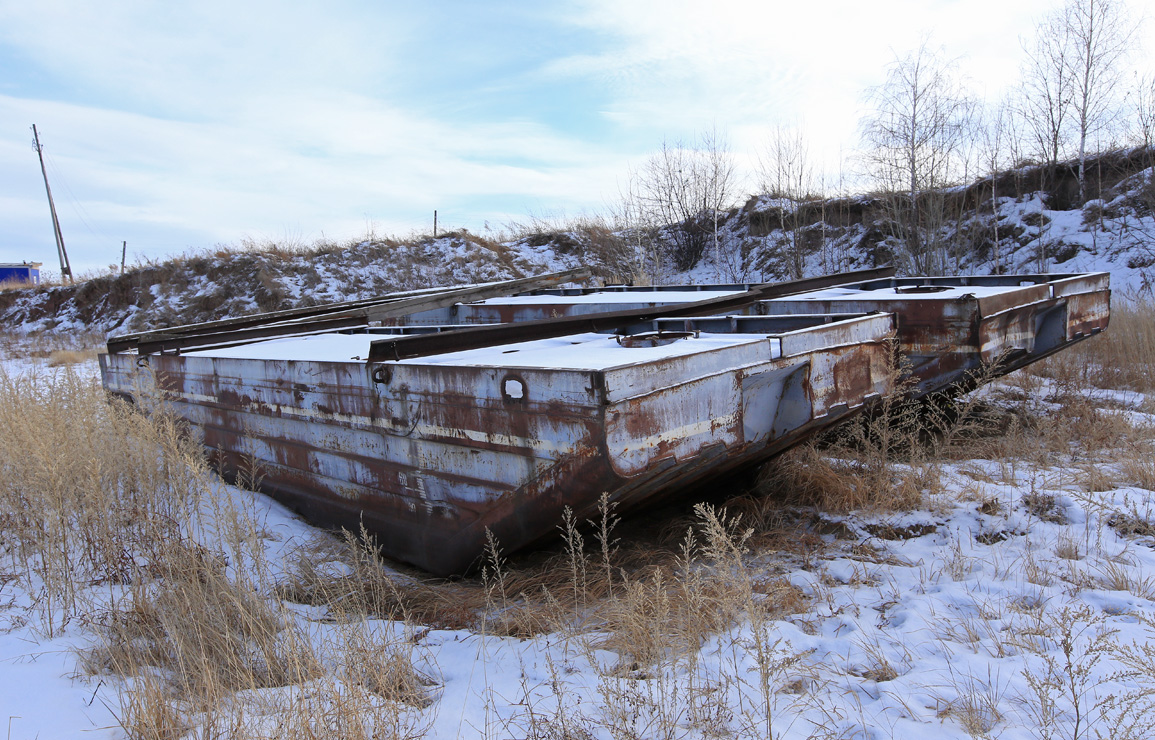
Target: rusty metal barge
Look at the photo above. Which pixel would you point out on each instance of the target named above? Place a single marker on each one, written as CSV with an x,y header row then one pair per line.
x,y
433,417
951,329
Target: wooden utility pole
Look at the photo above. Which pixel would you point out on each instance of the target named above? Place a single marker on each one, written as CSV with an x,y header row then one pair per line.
x,y
434,223
65,266
123,254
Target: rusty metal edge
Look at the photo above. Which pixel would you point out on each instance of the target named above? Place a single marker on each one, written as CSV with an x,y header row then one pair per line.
x,y
263,328
409,347
122,342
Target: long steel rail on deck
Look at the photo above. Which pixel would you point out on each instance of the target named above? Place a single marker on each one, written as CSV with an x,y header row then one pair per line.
x,y
423,345
329,317
358,314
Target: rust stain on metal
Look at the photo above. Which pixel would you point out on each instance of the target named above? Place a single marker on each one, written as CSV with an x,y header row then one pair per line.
x,y
430,456
947,342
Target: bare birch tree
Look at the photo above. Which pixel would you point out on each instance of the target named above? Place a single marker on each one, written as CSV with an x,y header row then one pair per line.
x,y
992,155
1137,230
1144,103
1048,88
1071,76
786,172
1101,37
687,187
914,137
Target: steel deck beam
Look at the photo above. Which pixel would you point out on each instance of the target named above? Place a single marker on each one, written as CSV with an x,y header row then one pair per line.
x,y
314,319
409,347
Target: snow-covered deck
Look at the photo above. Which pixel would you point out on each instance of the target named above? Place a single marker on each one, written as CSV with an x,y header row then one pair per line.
x,y
588,351
655,297
922,292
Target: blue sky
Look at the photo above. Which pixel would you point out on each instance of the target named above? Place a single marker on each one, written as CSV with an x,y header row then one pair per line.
x,y
179,126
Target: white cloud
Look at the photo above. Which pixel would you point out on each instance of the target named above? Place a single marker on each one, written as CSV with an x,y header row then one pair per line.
x,y
177,125
350,161
679,67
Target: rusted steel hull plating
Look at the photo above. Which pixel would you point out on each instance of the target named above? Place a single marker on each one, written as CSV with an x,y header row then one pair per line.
x,y
952,330
429,451
429,456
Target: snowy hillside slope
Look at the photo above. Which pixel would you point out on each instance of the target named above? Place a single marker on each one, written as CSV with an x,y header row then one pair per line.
x,y
1023,221
228,282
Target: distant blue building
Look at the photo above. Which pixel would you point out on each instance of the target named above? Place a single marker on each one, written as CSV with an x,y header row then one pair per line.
x,y
20,272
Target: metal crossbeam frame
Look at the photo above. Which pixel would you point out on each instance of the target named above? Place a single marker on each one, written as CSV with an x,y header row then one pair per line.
x,y
409,347
327,318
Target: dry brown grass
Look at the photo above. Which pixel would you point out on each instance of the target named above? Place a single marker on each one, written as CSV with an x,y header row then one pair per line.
x,y
68,349
62,357
347,571
210,634
112,533
1138,471
877,461
891,459
14,284
85,490
1123,357
810,475
1095,478
708,588
1061,423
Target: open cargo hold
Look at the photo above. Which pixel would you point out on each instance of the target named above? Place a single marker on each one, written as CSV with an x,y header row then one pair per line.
x,y
432,451
438,433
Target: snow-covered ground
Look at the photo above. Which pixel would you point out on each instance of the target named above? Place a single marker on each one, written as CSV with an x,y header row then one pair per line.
x,y
43,692
1015,602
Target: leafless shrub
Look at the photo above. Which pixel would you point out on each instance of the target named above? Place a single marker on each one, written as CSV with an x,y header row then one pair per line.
x,y
685,188
1131,524
1045,506
1063,698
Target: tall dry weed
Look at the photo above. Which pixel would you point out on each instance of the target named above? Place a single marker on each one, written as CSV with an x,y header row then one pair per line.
x,y
85,492
1123,357
110,517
